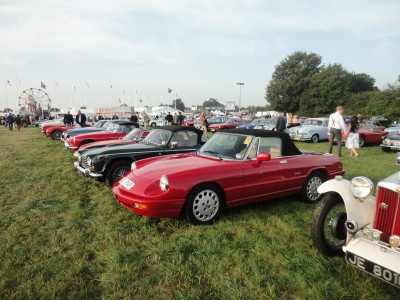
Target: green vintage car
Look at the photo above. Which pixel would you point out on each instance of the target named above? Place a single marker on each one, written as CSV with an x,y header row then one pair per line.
x,y
112,162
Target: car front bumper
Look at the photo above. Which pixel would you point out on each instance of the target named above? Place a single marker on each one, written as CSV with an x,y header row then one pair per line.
x,y
68,145
394,148
154,208
86,172
374,258
300,137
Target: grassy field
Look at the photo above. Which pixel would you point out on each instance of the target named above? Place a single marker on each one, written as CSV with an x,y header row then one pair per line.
x,y
63,236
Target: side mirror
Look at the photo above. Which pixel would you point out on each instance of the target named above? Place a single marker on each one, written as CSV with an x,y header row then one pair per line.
x,y
263,156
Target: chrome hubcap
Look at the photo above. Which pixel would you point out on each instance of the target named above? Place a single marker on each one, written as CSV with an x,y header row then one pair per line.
x,y
312,186
205,205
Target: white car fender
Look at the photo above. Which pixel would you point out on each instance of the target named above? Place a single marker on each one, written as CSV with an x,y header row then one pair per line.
x,y
360,211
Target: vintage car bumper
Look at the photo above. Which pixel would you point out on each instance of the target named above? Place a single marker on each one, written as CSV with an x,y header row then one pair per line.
x,y
374,258
390,147
300,136
86,172
161,208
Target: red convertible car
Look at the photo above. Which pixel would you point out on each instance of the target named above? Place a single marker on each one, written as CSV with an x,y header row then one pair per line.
x,y
112,133
234,167
55,131
136,135
231,123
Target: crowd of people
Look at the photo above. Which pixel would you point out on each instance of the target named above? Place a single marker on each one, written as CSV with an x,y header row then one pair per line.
x,y
17,121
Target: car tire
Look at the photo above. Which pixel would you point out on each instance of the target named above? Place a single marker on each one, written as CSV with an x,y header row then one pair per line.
x,y
56,135
116,171
309,194
328,231
203,205
361,141
315,138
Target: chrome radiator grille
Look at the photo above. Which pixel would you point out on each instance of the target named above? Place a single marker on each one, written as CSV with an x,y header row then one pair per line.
x,y
85,162
387,218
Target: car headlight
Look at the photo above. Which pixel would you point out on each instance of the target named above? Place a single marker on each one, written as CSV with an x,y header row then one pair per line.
x,y
133,165
164,184
73,140
361,187
386,141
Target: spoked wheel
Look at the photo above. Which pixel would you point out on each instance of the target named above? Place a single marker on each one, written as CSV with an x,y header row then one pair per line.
x,y
203,205
328,230
56,135
116,171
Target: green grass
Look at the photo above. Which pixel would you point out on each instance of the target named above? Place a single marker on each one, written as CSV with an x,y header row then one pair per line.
x,y
64,236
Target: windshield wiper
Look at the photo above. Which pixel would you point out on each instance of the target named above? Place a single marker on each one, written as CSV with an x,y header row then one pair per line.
x,y
213,152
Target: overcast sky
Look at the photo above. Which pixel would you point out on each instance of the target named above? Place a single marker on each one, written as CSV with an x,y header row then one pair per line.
x,y
199,49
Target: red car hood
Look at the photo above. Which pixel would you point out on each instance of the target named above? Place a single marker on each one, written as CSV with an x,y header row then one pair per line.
x,y
106,143
153,169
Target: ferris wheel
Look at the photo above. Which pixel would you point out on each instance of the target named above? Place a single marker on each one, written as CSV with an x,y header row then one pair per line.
x,y
32,99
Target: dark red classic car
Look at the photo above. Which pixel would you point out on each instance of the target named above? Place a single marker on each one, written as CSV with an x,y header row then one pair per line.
x,y
368,134
234,167
231,123
55,131
136,135
112,133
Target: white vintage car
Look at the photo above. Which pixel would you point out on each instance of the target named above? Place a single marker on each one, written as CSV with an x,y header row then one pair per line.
x,y
312,130
351,221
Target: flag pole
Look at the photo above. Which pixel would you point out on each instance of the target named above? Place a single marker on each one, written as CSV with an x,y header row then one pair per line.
x,y
5,89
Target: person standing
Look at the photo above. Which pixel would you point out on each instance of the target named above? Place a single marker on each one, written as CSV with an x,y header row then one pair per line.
x,y
134,118
18,122
68,119
146,119
175,119
203,123
10,121
280,124
335,127
169,118
353,139
180,119
80,119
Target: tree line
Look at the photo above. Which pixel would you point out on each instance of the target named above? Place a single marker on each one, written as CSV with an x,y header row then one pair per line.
x,y
303,85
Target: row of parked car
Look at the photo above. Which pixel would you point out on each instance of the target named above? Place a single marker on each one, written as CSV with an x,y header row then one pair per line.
x,y
174,171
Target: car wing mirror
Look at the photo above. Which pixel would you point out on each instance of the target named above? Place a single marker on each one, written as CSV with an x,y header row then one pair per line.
x,y
263,156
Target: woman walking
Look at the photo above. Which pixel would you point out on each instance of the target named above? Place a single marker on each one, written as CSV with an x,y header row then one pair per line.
x,y
353,139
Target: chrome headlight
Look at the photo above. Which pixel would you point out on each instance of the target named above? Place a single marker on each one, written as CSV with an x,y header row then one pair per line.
x,y
386,141
361,187
164,184
133,165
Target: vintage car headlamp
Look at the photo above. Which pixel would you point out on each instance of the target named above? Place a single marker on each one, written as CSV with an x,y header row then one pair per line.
x,y
164,184
133,166
394,240
386,141
361,187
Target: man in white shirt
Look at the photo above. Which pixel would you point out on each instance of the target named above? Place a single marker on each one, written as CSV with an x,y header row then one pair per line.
x,y
336,125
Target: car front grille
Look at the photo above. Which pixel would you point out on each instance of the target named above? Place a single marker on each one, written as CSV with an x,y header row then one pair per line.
x,y
85,162
387,218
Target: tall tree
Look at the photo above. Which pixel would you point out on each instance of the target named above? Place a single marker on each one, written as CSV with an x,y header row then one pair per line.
x,y
290,79
212,103
179,104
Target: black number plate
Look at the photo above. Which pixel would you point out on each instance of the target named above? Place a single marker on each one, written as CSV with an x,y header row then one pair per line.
x,y
374,269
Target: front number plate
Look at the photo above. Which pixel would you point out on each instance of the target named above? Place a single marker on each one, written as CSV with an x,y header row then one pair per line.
x,y
127,183
376,270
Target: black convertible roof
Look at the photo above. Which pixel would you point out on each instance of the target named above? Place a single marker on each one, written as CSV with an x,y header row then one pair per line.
x,y
288,147
175,128
129,123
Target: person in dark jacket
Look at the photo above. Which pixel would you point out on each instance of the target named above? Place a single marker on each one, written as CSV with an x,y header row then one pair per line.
x,y
134,118
80,119
10,121
68,119
280,124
